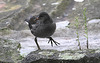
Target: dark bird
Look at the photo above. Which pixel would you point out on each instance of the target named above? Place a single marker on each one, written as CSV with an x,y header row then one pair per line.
x,y
42,26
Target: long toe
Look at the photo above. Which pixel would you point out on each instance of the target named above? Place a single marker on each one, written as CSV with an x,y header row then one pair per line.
x,y
56,43
53,41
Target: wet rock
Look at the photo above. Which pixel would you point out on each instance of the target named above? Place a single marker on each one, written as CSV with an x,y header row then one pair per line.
x,y
94,26
60,9
15,12
9,51
8,11
53,56
35,7
92,10
64,30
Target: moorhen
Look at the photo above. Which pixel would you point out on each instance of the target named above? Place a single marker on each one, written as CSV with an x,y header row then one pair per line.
x,y
42,26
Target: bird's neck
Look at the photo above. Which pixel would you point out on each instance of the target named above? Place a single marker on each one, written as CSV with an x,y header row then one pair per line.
x,y
48,21
30,26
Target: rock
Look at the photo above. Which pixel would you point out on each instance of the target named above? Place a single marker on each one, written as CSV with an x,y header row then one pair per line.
x,y
9,10
62,24
60,9
64,30
94,26
64,35
17,11
13,13
9,51
35,7
53,56
92,10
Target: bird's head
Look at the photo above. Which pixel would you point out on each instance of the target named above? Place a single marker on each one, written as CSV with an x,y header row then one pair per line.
x,y
44,17
31,20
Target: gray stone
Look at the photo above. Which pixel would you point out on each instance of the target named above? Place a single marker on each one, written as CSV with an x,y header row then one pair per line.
x,y
9,10
66,31
17,11
35,7
53,56
9,51
94,25
92,10
13,17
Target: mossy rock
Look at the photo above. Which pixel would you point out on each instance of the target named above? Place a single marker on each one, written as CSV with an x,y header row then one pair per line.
x,y
92,11
9,51
54,56
60,9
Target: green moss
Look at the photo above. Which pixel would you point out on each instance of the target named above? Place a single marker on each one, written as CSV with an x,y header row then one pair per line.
x,y
91,51
5,31
20,57
9,50
97,51
19,46
70,56
76,54
46,53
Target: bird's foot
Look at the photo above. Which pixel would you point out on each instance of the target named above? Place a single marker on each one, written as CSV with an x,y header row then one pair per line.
x,y
53,41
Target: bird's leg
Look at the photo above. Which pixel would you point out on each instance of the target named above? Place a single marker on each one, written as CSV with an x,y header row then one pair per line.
x,y
37,43
52,40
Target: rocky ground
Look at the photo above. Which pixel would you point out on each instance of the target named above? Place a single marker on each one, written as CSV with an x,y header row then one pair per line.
x,y
67,43
17,42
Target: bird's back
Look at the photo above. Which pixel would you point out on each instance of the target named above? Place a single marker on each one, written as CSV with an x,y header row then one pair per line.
x,y
43,30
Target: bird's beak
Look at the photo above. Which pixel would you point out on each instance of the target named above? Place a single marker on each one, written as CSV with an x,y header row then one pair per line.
x,y
26,21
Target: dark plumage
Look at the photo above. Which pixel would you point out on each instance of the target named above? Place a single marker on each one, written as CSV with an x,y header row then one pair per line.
x,y
42,26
